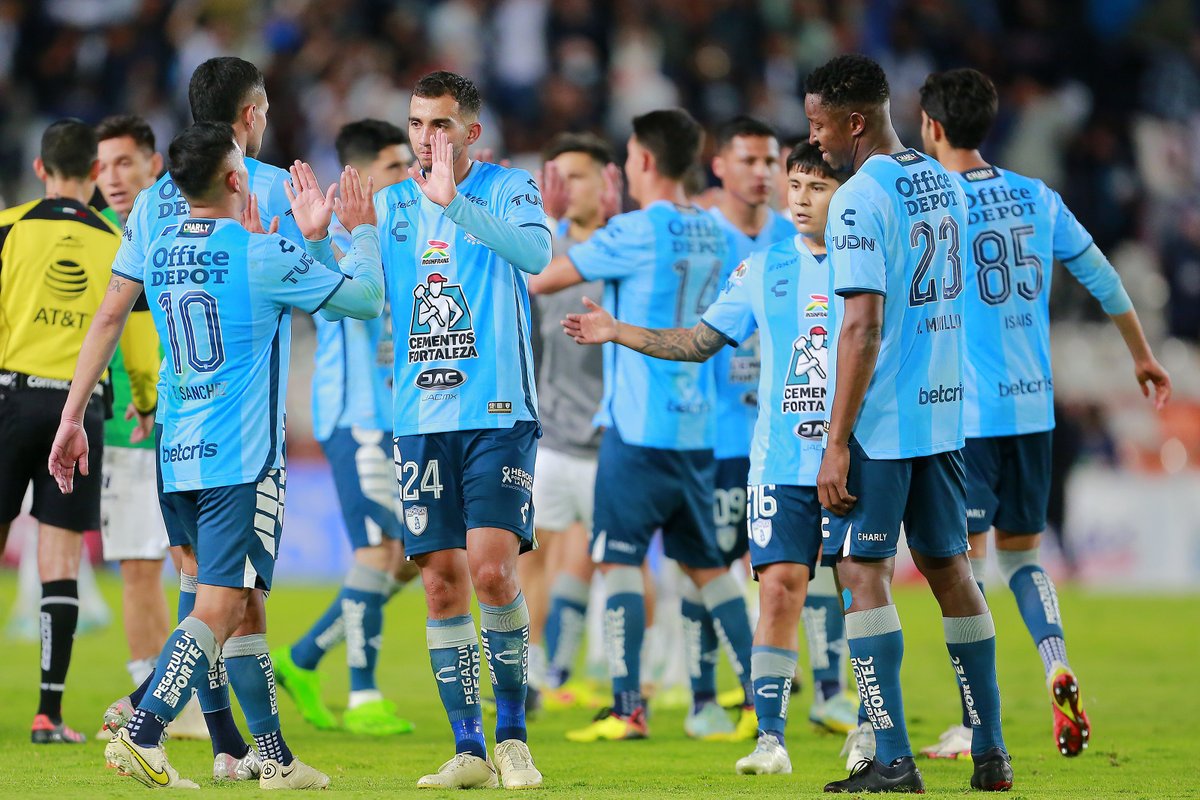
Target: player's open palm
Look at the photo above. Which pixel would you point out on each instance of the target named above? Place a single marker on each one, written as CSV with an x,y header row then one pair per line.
x,y
554,190
252,222
614,189
597,326
356,204
1151,373
312,207
70,448
438,183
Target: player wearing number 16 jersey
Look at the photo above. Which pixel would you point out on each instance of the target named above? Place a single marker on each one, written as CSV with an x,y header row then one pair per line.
x,y
662,268
458,241
895,417
1017,228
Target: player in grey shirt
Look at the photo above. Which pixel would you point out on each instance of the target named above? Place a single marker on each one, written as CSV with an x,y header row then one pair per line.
x,y
581,189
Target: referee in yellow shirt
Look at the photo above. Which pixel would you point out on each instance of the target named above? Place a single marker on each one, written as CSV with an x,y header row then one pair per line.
x,y
55,264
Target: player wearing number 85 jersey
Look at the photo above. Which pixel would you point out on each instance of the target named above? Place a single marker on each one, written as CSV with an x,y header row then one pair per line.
x,y
1017,228
892,455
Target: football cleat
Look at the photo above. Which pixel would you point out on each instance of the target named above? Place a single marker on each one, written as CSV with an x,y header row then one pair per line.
x,y
955,742
44,731
732,698
464,771
146,765
246,768
573,694
515,766
375,718
993,771
769,758
711,722
189,724
838,714
1071,727
608,725
296,775
304,687
901,775
859,745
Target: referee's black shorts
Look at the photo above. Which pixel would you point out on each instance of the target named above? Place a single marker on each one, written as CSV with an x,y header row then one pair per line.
x,y
28,421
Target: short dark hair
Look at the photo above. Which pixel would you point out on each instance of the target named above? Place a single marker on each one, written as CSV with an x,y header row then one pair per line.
x,y
130,125
964,101
673,136
587,143
849,81
69,148
362,140
742,125
807,158
220,85
197,154
442,83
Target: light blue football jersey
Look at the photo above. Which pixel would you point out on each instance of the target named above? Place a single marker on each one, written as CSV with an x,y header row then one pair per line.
x,y
898,228
783,294
460,312
352,378
220,295
662,268
162,205
1017,227
736,369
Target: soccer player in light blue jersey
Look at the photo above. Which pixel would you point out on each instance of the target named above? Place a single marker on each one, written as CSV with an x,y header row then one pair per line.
x,y
896,233
459,239
228,90
781,292
219,294
662,267
352,403
1017,228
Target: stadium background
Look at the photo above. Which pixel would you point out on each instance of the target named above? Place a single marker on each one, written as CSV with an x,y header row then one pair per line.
x,y
1101,98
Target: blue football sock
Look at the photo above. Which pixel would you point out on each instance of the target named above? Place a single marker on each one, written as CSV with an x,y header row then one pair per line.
x,y
972,645
183,663
325,634
1037,600
506,644
454,655
700,643
825,629
213,691
135,697
725,602
565,625
624,630
253,679
363,598
876,650
772,669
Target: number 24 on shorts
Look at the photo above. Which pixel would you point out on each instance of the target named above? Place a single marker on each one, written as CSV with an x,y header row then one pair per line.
x,y
431,480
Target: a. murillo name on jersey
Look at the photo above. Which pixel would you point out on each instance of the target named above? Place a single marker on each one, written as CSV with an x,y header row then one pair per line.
x,y
441,327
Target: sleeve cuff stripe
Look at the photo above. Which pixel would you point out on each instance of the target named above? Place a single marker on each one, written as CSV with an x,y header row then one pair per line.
x,y
1077,255
127,277
728,339
845,290
331,294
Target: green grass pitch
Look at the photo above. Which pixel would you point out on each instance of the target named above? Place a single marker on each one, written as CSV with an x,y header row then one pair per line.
x,y
1135,655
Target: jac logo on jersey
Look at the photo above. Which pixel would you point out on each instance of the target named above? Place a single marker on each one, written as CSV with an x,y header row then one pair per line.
x,y
436,252
441,327
440,378
812,429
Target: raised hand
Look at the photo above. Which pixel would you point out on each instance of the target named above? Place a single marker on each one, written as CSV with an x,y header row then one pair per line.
x,y
70,448
595,327
250,219
438,185
610,197
554,190
311,207
356,205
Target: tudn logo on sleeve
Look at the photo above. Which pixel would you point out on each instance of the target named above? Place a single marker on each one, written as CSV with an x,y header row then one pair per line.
x,y
416,519
440,329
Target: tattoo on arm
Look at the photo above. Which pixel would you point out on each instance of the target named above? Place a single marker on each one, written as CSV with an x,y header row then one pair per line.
x,y
681,344
116,285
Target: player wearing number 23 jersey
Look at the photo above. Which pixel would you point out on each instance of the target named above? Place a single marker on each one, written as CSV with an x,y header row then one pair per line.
x,y
897,228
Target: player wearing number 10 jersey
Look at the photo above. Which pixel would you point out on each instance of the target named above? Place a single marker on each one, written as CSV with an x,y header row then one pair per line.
x,y
1017,227
892,455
